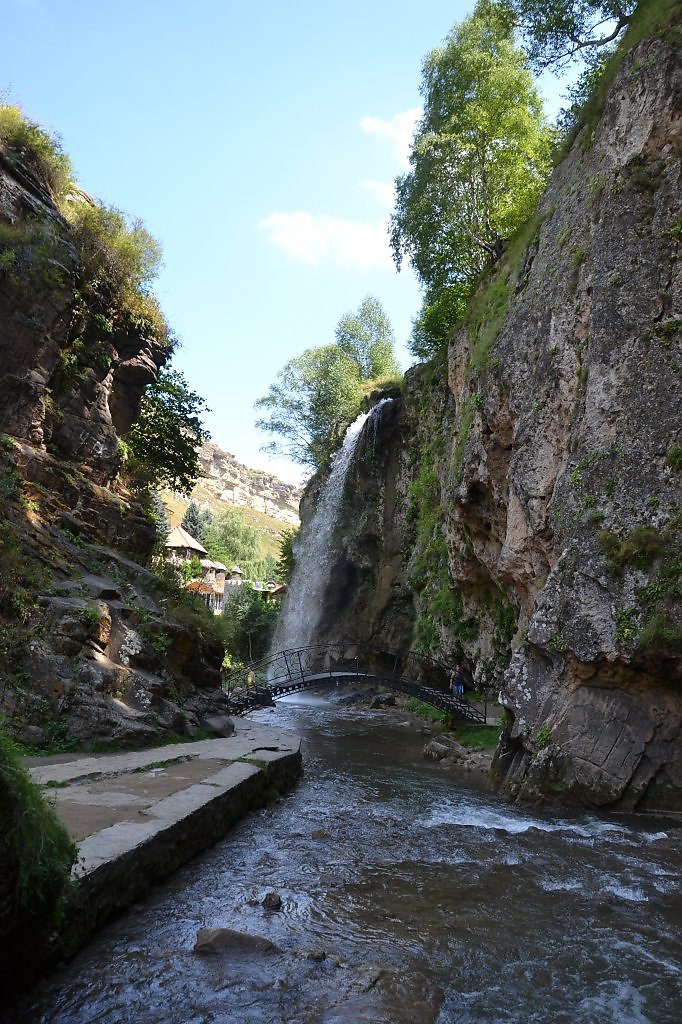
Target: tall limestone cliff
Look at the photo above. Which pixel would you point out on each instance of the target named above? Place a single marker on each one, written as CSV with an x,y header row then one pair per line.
x,y
225,480
521,504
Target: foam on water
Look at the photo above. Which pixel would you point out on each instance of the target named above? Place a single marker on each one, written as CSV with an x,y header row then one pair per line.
x,y
471,815
624,892
616,1002
561,885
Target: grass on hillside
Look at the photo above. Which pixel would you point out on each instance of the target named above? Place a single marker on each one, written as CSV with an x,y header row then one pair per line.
x,y
270,531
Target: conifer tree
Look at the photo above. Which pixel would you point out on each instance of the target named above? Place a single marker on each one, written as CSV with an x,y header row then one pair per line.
x,y
191,520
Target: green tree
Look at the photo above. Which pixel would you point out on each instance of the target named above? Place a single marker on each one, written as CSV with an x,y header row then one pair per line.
x,y
287,554
160,516
205,520
191,521
268,568
319,393
479,162
247,625
191,570
367,337
230,539
163,445
441,308
315,397
559,31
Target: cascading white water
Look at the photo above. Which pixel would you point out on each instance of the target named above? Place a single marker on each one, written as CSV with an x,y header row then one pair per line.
x,y
303,605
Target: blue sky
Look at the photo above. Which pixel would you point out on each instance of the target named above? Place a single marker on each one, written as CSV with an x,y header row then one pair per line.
x,y
258,143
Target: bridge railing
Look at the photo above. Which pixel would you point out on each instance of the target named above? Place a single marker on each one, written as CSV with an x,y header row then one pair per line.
x,y
345,656
287,671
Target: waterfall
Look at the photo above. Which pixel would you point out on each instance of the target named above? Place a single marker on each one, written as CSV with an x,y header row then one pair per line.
x,y
304,601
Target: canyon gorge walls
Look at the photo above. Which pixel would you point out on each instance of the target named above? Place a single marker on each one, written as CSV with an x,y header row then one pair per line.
x,y
519,505
93,646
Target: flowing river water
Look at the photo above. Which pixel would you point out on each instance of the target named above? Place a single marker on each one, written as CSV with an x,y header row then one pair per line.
x,y
409,894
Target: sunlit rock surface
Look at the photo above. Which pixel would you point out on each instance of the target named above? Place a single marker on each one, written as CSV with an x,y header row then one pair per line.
x,y
46,397
520,507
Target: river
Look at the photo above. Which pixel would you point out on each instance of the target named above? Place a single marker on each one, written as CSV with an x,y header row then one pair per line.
x,y
409,893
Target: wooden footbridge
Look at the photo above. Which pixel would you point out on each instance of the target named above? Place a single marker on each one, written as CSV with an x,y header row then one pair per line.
x,y
306,668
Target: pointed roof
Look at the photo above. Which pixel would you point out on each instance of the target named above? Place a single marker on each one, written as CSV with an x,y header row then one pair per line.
x,y
179,538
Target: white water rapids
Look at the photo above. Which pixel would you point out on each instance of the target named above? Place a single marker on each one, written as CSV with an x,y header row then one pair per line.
x,y
398,880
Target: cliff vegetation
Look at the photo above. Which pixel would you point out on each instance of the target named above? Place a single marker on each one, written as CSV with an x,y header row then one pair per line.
x,y
518,506
93,420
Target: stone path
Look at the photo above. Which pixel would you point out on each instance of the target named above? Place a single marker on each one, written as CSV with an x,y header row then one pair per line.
x,y
94,792
138,816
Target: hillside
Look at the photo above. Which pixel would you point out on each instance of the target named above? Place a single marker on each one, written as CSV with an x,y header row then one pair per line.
x,y
268,504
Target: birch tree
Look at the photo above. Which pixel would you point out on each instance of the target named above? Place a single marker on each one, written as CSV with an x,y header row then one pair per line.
x,y
480,157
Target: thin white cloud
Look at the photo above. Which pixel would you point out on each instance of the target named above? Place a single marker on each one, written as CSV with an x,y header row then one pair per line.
x,y
399,130
316,238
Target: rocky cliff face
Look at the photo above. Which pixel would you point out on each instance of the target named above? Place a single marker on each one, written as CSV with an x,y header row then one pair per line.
x,y
69,381
93,647
224,480
521,505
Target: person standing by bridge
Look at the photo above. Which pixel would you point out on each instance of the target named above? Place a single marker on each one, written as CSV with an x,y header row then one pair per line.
x,y
457,681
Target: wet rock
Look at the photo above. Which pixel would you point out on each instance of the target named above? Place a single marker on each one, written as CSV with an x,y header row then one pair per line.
x,y
359,697
444,746
383,700
369,994
225,941
272,901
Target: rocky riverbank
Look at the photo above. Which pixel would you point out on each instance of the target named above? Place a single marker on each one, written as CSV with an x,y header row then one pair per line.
x,y
441,744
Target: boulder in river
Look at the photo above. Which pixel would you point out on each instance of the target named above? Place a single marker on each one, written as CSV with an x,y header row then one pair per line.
x,y
383,700
272,901
225,941
444,746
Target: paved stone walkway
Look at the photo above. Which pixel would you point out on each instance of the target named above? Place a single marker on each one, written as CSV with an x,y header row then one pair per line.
x,y
140,815
111,803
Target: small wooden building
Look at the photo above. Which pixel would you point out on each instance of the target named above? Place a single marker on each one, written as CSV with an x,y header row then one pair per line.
x,y
181,546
